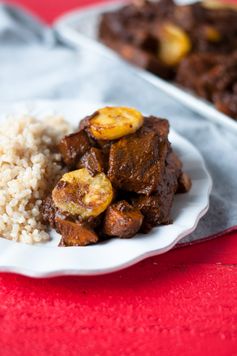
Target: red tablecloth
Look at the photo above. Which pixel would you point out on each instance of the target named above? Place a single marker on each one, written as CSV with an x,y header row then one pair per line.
x,y
180,303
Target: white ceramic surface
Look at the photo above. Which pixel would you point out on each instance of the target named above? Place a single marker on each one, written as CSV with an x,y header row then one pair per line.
x,y
45,260
80,27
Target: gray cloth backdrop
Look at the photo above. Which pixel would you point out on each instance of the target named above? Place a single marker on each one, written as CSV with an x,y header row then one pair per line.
x,y
34,65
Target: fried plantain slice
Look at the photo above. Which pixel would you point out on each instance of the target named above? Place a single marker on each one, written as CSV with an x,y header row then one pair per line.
x,y
78,193
174,44
211,33
219,5
111,123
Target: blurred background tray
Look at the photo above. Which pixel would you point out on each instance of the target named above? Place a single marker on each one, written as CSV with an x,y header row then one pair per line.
x,y
80,28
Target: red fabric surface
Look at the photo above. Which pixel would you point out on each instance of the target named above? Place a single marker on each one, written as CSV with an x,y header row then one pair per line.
x,y
49,10
180,303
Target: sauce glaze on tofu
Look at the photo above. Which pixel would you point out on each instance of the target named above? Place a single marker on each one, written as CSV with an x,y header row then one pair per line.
x,y
115,187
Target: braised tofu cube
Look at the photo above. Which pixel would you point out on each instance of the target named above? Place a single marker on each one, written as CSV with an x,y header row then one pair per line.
x,y
48,211
73,147
137,162
174,162
143,59
122,220
184,183
156,208
93,160
75,233
160,126
155,211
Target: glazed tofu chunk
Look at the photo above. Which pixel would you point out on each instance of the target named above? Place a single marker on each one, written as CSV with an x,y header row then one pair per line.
x,y
122,220
137,161
156,208
160,126
75,233
93,160
73,147
184,183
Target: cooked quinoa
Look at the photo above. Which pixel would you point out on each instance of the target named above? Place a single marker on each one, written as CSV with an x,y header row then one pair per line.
x,y
29,167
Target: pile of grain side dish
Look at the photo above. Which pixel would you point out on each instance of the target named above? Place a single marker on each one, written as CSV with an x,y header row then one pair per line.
x,y
29,167
122,176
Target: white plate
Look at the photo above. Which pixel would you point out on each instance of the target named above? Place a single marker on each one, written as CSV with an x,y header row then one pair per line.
x,y
80,27
47,259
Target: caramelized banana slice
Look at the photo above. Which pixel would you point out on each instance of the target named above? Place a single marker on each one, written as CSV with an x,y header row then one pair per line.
x,y
174,44
78,193
211,33
111,123
217,4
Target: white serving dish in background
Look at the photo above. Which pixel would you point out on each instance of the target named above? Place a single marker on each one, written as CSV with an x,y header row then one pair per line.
x,y
80,28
